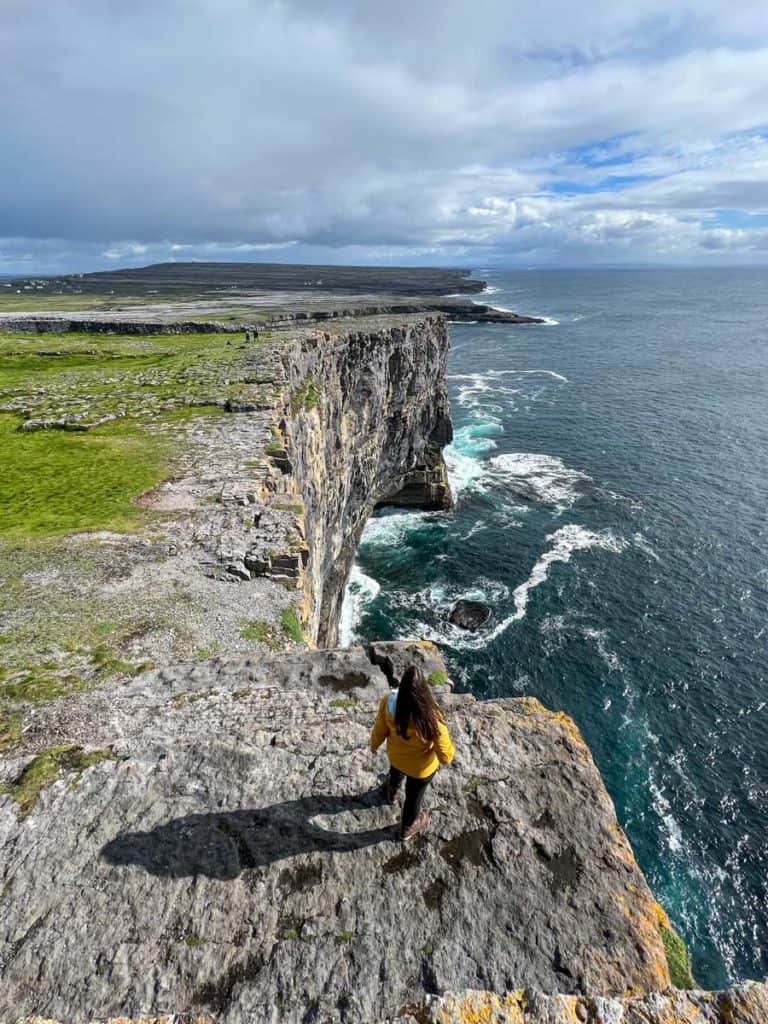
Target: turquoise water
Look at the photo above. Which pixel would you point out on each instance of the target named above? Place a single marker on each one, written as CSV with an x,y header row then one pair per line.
x,y
611,476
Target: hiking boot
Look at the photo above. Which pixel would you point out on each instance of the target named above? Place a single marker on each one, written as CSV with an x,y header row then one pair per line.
x,y
421,823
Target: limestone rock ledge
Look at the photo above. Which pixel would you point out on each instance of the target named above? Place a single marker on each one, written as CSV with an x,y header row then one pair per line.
x,y
228,855
743,1004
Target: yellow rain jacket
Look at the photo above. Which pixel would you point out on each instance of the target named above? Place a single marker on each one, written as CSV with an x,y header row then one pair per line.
x,y
414,756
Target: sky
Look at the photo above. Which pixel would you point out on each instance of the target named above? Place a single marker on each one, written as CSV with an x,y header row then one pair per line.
x,y
533,133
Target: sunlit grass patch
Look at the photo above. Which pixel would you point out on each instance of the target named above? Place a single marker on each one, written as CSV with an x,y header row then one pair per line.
x,y
56,482
50,765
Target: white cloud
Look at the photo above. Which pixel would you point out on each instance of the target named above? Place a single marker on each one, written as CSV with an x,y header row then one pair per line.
x,y
432,129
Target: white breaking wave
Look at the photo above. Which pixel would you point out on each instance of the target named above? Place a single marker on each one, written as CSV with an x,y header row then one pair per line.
x,y
491,374
563,543
663,809
464,472
642,543
600,639
477,437
443,597
542,373
542,477
498,391
391,529
360,592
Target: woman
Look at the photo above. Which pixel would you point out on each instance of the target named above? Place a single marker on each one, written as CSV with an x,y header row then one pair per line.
x,y
417,744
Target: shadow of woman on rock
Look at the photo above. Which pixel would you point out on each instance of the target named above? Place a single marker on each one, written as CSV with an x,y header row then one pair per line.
x,y
224,844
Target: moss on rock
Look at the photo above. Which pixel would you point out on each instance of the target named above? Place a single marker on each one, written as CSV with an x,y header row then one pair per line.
x,y
47,767
675,951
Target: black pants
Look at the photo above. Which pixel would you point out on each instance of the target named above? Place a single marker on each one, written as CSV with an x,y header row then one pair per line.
x,y
414,793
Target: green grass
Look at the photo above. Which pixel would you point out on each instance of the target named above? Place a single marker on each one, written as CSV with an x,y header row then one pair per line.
x,y
65,631
678,959
37,685
210,651
261,632
36,301
105,628
296,509
305,397
58,482
88,376
258,631
292,626
49,766
437,678
10,729
344,703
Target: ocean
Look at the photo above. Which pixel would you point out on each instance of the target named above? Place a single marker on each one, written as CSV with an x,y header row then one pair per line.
x,y
610,469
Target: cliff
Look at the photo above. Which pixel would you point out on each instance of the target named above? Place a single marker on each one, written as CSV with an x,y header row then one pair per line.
x,y
228,853
365,423
182,833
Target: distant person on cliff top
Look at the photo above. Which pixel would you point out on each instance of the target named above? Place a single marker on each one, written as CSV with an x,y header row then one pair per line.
x,y
417,744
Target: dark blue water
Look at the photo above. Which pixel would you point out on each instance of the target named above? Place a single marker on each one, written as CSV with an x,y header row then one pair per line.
x,y
611,475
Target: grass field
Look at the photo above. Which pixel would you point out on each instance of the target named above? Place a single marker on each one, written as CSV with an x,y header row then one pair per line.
x,y
56,482
85,474
85,377
88,422
38,302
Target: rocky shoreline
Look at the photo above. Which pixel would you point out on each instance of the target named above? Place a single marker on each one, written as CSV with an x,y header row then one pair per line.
x,y
138,322
203,835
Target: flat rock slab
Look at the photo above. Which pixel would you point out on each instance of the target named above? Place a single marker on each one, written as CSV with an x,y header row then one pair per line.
x,y
235,860
744,1004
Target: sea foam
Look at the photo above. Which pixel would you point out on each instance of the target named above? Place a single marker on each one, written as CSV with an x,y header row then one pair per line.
x,y
542,478
361,591
563,544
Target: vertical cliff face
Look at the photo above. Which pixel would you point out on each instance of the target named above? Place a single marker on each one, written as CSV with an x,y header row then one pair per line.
x,y
365,420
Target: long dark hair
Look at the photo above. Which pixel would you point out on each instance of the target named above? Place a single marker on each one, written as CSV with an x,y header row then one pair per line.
x,y
416,706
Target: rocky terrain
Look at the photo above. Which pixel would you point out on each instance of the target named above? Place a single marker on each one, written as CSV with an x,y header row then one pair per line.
x,y
190,818
228,852
240,537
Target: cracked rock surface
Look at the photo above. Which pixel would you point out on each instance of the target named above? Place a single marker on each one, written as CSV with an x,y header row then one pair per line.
x,y
232,857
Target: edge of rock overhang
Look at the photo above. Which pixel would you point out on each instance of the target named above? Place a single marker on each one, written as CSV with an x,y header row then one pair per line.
x,y
362,421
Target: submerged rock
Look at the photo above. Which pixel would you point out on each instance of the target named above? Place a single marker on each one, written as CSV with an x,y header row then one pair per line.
x,y
471,615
